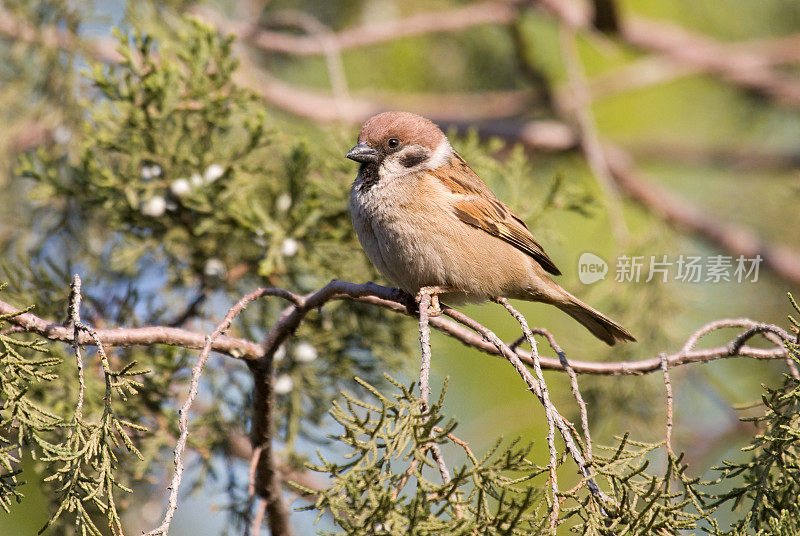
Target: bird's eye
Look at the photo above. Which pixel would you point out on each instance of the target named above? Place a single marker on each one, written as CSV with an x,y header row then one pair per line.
x,y
393,142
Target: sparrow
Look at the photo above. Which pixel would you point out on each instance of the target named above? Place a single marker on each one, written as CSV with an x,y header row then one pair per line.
x,y
426,220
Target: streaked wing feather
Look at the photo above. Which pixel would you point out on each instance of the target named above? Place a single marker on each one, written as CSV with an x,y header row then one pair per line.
x,y
481,209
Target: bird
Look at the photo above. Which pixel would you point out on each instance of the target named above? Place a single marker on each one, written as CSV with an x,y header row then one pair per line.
x,y
427,221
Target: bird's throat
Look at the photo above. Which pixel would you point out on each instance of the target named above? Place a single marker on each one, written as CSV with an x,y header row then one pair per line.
x,y
369,174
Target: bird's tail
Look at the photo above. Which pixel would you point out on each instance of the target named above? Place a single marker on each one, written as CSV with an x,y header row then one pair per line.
x,y
600,325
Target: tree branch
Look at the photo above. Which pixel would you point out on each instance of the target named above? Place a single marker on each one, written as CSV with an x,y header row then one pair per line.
x,y
389,298
267,478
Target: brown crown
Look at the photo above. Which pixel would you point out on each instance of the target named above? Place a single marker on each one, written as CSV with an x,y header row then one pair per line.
x,y
405,126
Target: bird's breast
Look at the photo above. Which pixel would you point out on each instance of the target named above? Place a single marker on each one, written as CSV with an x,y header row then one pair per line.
x,y
396,225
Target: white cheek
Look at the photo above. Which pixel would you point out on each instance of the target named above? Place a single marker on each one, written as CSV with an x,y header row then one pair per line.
x,y
392,167
441,155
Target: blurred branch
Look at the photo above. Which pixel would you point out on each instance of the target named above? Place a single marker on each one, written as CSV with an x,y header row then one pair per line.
x,y
25,135
526,64
738,158
447,21
733,238
389,298
686,53
605,16
734,65
326,38
746,64
578,108
103,49
325,106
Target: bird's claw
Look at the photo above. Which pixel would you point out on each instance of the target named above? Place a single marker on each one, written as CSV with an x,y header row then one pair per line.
x,y
435,308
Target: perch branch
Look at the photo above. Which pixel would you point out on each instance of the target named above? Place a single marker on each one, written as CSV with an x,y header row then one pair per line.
x,y
388,298
268,479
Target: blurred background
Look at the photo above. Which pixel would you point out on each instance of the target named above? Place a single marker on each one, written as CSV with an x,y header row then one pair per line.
x,y
616,127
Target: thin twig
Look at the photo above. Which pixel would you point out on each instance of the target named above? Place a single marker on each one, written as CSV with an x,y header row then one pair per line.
x,y
426,297
573,382
549,408
197,371
258,517
75,320
251,529
425,344
668,391
251,480
78,327
404,479
534,386
464,445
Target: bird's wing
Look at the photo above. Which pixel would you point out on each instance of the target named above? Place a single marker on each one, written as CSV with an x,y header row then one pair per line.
x,y
479,207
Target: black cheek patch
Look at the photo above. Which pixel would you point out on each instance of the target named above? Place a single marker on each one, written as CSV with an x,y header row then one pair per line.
x,y
413,157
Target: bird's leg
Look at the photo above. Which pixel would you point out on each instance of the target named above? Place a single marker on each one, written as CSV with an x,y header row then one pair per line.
x,y
433,292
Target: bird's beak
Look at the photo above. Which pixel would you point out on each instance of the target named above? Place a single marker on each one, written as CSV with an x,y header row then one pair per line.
x,y
363,153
